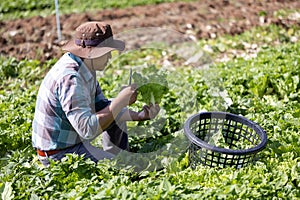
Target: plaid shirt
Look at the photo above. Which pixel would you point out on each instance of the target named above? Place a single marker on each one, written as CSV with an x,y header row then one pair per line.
x,y
67,101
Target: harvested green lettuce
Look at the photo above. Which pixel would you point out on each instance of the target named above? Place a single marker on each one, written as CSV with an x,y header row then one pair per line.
x,y
152,84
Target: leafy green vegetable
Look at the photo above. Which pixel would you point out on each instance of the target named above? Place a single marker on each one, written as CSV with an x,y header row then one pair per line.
x,y
152,85
217,139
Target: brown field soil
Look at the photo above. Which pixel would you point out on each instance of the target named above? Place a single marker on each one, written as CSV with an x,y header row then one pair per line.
x,y
36,37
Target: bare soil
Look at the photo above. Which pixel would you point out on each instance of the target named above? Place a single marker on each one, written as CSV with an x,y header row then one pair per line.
x,y
36,37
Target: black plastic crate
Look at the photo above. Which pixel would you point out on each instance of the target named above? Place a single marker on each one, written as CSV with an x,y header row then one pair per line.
x,y
235,130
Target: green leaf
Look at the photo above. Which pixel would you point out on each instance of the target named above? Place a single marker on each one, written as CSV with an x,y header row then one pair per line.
x,y
7,193
152,84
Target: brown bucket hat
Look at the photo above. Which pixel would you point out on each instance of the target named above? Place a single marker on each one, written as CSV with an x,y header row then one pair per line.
x,y
92,40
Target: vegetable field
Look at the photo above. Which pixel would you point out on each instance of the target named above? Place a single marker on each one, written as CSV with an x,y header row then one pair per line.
x,y
255,74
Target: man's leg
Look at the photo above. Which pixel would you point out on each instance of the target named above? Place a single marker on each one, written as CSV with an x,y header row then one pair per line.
x,y
115,138
85,148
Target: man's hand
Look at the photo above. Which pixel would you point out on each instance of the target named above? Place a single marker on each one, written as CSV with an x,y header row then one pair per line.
x,y
149,112
127,95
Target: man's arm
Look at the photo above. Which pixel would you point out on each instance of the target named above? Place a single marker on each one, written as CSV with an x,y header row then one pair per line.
x,y
148,112
107,115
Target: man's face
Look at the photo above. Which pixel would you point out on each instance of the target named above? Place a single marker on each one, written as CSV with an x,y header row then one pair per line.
x,y
99,64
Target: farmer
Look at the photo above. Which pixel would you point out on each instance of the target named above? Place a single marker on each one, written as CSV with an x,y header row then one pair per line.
x,y
71,109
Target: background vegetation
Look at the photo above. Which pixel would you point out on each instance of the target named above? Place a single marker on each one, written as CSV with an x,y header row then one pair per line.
x,y
27,8
259,70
